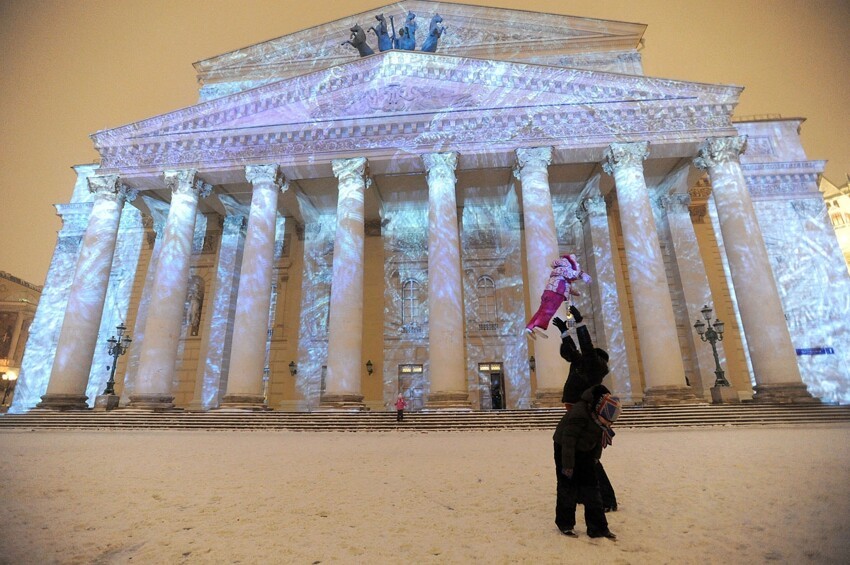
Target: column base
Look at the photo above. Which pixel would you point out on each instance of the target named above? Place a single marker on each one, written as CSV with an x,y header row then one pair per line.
x,y
250,402
669,394
63,402
152,402
548,398
106,402
289,406
342,403
783,393
449,400
195,407
724,395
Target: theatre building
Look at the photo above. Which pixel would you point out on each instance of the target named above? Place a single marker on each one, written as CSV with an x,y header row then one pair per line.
x,y
325,229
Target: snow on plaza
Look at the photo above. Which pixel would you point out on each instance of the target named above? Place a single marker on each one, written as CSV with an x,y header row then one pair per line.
x,y
721,495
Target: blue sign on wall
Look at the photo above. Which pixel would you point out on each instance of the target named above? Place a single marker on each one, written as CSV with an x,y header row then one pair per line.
x,y
816,351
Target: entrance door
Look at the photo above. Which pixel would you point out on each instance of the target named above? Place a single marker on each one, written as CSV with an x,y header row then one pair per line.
x,y
410,385
497,391
491,386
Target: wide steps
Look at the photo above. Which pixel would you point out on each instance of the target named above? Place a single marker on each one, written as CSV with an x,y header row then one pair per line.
x,y
632,417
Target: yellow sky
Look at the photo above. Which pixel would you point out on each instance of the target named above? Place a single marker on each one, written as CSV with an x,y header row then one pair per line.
x,y
73,67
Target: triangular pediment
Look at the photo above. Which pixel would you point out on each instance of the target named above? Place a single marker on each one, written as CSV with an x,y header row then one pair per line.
x,y
420,100
471,31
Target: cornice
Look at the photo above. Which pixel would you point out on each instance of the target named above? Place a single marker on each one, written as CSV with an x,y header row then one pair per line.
x,y
784,168
584,86
458,102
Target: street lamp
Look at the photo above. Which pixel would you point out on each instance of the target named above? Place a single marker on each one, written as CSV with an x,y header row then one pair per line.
x,y
8,382
117,347
370,368
712,334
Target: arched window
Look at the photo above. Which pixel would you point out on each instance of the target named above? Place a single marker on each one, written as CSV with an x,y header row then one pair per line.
x,y
486,301
410,303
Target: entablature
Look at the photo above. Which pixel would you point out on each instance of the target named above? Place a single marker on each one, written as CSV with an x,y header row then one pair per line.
x,y
394,106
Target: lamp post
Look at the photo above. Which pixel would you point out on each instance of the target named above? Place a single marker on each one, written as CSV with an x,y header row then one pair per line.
x,y
712,334
117,347
8,383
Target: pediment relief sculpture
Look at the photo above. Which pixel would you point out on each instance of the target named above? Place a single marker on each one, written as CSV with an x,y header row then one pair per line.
x,y
395,98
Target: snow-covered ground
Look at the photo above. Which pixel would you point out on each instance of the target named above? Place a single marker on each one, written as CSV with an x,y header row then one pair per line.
x,y
718,495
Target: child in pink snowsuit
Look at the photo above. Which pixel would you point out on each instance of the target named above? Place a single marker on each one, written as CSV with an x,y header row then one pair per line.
x,y
565,271
400,405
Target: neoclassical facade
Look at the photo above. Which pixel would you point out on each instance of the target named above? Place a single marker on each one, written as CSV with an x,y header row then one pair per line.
x,y
323,230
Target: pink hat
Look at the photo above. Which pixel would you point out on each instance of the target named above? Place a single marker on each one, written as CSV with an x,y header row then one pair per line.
x,y
572,259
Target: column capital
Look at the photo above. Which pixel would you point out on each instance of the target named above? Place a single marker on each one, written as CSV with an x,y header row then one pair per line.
x,y
344,169
233,223
701,190
159,214
677,203
180,181
441,165
620,155
110,187
269,173
532,157
716,150
203,189
591,206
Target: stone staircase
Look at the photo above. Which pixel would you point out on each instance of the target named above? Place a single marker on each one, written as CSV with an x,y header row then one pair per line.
x,y
700,415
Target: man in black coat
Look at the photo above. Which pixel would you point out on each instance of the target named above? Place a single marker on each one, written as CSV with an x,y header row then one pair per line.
x,y
579,439
588,366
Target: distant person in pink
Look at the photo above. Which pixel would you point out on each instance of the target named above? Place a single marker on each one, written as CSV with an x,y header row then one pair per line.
x,y
400,405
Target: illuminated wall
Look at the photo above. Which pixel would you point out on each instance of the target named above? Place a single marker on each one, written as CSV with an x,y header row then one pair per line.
x,y
805,256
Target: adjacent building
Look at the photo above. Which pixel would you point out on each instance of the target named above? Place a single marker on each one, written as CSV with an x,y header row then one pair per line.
x,y
18,302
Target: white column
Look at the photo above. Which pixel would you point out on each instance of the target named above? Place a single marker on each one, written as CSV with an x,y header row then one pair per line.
x,y
78,338
771,351
153,387
345,330
599,259
695,288
250,327
663,370
40,350
448,388
159,213
213,358
541,248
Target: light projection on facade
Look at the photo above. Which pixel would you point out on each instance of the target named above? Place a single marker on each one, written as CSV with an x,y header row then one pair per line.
x,y
317,208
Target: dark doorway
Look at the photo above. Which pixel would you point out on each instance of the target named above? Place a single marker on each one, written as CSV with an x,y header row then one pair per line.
x,y
497,391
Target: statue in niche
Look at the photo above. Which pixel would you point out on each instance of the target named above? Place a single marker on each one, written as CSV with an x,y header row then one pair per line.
x,y
196,302
435,30
407,35
358,41
385,40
